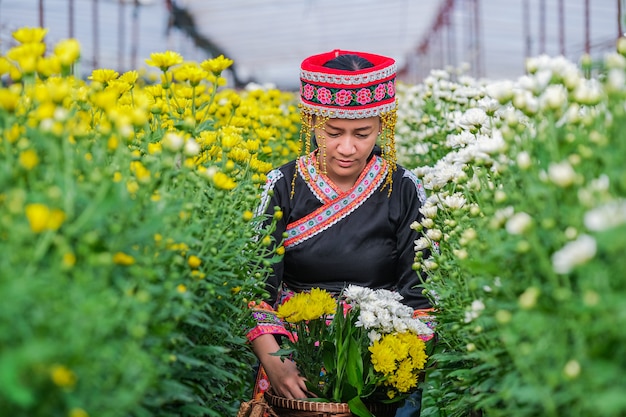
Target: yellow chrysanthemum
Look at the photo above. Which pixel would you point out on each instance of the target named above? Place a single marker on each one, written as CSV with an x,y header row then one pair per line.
x,y
216,65
129,77
41,217
47,67
194,262
141,172
8,100
5,65
306,306
404,378
67,51
30,34
223,181
190,73
382,358
321,303
62,376
164,60
28,159
69,259
103,75
27,55
240,155
121,258
78,412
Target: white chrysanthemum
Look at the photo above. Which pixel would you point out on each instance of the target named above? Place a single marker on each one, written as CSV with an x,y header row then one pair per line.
x,y
470,316
387,296
554,97
526,102
561,174
460,140
421,244
434,234
519,223
573,254
614,60
429,210
427,223
373,336
356,293
523,160
616,80
367,319
400,325
456,201
474,117
418,327
441,175
588,92
191,148
489,104
172,142
607,216
501,216
500,90
477,305
491,144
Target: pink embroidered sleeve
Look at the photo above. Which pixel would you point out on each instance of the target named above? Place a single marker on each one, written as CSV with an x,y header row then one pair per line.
x,y
266,321
427,317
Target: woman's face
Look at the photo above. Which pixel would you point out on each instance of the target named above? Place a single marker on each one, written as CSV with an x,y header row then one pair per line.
x,y
345,145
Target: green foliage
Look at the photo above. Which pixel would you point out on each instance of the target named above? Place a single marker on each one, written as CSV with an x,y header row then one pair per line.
x,y
529,278
130,250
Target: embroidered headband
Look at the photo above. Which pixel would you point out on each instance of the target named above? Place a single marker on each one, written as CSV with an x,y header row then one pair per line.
x,y
348,94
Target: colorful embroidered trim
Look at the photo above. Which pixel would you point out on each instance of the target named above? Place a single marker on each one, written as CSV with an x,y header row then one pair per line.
x,y
272,177
356,94
350,103
319,185
266,321
334,209
421,193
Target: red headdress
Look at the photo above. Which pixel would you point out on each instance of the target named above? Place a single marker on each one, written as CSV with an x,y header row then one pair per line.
x,y
344,94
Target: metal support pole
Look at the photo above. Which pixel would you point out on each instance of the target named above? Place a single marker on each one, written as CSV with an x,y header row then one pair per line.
x,y
561,27
71,18
121,34
587,28
95,34
135,35
620,19
41,22
526,29
542,26
478,46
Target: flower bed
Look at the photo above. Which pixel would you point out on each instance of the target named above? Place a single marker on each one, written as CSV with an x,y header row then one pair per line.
x,y
125,227
528,206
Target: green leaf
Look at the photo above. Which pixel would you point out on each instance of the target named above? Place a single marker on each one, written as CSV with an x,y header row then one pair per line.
x,y
354,367
358,407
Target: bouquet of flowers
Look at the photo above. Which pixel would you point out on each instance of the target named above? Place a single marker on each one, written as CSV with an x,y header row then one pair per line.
x,y
365,345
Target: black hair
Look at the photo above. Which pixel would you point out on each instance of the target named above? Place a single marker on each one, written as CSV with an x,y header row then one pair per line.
x,y
348,62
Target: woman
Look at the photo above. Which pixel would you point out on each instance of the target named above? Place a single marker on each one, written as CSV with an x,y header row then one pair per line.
x,y
347,206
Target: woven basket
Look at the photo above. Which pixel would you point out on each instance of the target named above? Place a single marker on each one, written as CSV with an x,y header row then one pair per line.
x,y
284,407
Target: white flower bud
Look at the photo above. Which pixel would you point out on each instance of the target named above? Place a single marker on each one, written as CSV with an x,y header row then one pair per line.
x,y
523,160
434,234
572,369
519,223
192,148
574,253
561,174
172,142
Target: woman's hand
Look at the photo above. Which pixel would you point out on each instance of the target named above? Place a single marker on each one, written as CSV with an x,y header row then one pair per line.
x,y
283,375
